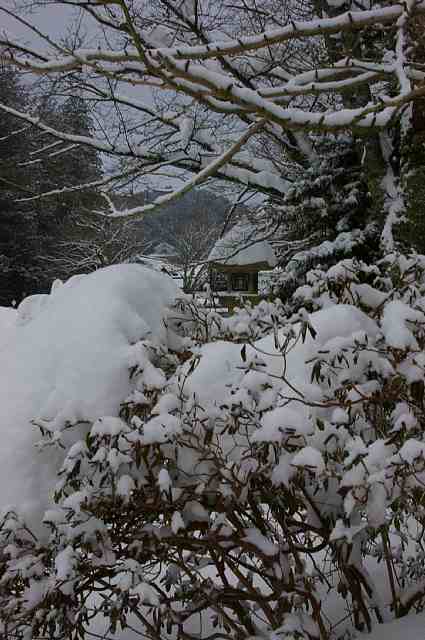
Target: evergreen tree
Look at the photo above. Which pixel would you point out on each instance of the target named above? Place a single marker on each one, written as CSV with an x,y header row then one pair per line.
x,y
71,217
19,241
32,230
361,195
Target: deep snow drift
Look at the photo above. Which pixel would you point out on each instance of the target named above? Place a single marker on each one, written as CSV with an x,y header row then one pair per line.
x,y
7,324
412,628
66,359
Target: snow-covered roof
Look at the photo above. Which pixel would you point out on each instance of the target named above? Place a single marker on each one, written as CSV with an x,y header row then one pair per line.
x,y
157,263
240,248
164,249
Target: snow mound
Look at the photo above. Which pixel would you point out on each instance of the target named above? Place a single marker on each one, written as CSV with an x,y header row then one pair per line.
x,y
67,361
7,324
411,627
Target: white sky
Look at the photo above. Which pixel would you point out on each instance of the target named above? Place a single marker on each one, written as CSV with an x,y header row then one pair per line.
x,y
60,22
57,21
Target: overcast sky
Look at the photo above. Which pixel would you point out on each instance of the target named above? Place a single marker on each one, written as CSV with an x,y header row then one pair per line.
x,y
51,19
61,22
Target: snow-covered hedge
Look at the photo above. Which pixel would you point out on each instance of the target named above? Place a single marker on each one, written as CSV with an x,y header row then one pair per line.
x,y
263,479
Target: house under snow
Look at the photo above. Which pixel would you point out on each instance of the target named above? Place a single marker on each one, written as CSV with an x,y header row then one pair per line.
x,y
237,258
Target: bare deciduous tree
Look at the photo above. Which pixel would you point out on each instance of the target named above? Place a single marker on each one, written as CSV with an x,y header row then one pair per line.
x,y
96,242
254,85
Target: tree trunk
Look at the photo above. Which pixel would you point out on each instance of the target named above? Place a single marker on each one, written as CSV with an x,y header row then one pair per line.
x,y
412,230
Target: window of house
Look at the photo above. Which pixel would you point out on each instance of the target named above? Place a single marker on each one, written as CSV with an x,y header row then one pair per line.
x,y
218,281
240,282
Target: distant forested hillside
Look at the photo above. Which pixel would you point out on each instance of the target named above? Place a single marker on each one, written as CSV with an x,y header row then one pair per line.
x,y
196,210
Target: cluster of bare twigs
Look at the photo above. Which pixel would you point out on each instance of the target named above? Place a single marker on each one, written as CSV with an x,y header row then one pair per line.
x,y
264,75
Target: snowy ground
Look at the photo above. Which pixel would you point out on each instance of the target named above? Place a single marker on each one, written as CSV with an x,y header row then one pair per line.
x,y
410,628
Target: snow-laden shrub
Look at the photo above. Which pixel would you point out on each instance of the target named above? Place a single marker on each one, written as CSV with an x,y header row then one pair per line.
x,y
272,489
247,323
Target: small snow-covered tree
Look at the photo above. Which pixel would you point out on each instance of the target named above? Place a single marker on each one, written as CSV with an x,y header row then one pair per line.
x,y
93,243
192,244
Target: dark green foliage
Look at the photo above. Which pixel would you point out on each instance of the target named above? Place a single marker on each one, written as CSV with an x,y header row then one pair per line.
x,y
328,214
32,163
18,222
329,197
412,230
68,216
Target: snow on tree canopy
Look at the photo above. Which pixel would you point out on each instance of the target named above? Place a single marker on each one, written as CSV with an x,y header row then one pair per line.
x,y
239,247
67,361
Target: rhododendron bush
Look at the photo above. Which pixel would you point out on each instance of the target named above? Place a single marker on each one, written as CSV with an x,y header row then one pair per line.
x,y
262,478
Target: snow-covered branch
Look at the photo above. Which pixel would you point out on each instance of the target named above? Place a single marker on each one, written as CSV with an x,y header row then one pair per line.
x,y
224,78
